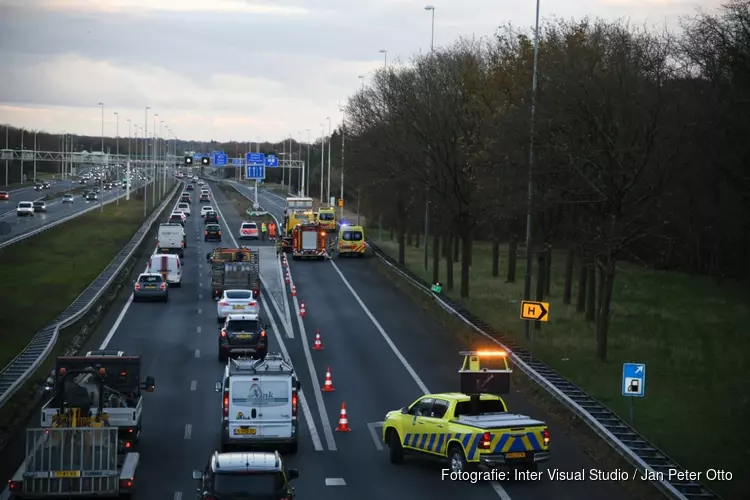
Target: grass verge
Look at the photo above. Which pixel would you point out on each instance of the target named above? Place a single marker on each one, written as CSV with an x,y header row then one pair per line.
x,y
687,329
241,204
17,411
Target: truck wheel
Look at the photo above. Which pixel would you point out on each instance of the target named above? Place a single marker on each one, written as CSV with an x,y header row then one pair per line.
x,y
395,450
457,459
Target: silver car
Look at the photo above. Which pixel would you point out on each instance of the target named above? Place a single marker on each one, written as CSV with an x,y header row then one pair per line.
x,y
150,286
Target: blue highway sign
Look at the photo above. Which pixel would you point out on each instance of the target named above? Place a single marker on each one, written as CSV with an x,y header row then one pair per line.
x,y
197,157
634,380
220,160
237,162
255,159
257,172
272,161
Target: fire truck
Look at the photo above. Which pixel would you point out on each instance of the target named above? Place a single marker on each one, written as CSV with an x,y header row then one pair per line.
x,y
309,241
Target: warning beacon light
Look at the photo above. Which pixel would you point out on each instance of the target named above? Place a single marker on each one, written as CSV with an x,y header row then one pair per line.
x,y
485,372
188,160
205,161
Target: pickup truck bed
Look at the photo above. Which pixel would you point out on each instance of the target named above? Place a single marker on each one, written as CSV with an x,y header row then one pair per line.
x,y
498,421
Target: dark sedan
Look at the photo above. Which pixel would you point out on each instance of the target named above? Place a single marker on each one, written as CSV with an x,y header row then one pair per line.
x,y
212,232
211,218
150,286
243,334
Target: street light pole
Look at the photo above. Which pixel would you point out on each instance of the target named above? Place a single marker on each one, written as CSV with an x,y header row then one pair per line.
x,y
117,153
385,59
426,242
301,171
153,154
306,191
343,128
530,187
144,170
330,143
362,79
322,155
101,178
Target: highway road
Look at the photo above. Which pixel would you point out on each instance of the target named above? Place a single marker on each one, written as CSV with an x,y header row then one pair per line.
x,y
27,193
56,210
383,353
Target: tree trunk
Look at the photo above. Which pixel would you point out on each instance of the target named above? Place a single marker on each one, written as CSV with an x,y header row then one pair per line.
x,y
602,326
435,258
466,244
417,236
590,292
409,238
391,234
540,278
449,262
456,249
512,258
495,257
445,250
568,288
583,274
548,271
401,232
599,292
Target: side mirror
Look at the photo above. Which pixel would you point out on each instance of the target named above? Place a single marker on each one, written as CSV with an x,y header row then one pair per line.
x,y
197,475
292,474
405,410
217,387
149,384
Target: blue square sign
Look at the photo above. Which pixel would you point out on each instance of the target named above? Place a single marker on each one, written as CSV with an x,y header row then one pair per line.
x,y
634,380
220,159
257,172
255,159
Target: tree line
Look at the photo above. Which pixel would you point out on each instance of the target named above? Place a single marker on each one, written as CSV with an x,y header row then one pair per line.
x,y
639,151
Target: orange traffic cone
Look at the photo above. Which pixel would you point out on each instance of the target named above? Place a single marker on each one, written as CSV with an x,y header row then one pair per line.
x,y
302,311
343,421
287,278
294,291
328,385
318,344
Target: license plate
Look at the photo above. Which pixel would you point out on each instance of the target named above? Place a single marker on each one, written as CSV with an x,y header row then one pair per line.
x,y
151,286
243,336
244,432
238,307
67,473
520,454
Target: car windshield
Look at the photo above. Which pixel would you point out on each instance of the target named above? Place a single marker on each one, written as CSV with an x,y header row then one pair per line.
x,y
238,294
352,236
485,406
326,216
182,206
38,203
249,225
213,227
264,485
211,214
25,205
151,279
68,196
243,325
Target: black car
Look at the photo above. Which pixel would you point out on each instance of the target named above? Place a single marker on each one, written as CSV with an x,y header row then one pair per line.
x,y
243,334
38,187
190,187
40,206
185,198
211,218
92,196
46,185
246,475
212,232
82,181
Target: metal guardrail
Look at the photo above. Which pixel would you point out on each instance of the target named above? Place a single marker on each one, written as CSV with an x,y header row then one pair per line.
x,y
23,366
638,451
56,223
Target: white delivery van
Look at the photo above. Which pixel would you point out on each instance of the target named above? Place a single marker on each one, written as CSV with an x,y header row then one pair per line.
x,y
171,239
169,266
260,404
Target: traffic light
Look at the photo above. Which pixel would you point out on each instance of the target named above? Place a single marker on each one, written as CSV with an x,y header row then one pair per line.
x,y
188,161
205,161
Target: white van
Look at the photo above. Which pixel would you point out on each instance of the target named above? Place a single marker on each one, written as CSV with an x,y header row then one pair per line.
x,y
171,239
169,266
260,404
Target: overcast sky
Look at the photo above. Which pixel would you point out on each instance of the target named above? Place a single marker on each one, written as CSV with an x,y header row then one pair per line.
x,y
236,69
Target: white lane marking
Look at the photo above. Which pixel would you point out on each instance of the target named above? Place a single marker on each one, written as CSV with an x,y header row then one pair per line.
x,y
500,491
193,385
200,311
375,435
335,481
197,353
286,325
198,329
317,444
324,420
188,431
283,286
385,336
177,495
200,297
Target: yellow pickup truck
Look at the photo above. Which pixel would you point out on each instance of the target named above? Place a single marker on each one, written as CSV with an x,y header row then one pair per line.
x,y
468,428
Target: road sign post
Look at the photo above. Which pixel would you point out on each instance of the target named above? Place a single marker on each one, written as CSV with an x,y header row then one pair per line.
x,y
633,383
534,311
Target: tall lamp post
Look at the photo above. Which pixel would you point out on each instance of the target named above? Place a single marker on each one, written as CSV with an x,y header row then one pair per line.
x,y
530,186
385,58
117,153
153,154
101,178
307,165
426,244
362,79
330,143
343,128
322,156
144,170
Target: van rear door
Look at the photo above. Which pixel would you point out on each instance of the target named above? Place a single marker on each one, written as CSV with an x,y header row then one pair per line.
x,y
275,406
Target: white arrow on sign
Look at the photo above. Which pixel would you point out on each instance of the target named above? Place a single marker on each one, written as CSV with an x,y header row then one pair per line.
x,y
639,369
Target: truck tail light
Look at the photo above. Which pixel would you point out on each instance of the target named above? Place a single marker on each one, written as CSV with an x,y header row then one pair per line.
x,y
15,486
126,484
225,406
294,404
485,441
545,437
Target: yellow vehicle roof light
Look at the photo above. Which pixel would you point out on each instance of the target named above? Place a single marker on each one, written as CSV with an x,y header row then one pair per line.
x,y
491,354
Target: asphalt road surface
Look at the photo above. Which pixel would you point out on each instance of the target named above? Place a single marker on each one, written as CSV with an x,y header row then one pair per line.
x,y
383,353
27,193
56,210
